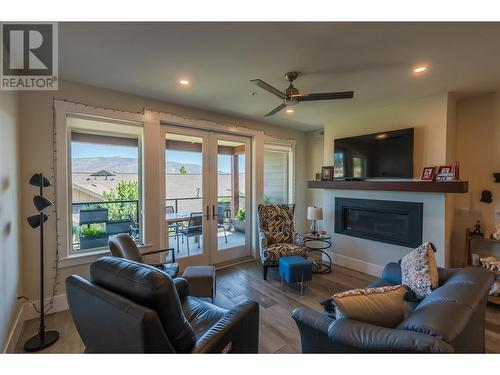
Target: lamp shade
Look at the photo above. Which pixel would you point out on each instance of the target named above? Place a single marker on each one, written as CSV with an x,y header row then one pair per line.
x,y
314,213
41,203
36,179
34,221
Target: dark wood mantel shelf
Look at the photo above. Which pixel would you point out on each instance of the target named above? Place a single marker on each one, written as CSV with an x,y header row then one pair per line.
x,y
416,186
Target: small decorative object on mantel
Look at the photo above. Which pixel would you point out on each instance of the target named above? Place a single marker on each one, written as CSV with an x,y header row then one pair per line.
x,y
428,174
445,173
318,177
456,171
327,173
497,177
477,230
486,196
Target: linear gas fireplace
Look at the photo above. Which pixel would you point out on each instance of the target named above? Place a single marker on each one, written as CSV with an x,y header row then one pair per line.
x,y
394,222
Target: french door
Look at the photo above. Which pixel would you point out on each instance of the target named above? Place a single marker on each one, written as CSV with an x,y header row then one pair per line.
x,y
207,195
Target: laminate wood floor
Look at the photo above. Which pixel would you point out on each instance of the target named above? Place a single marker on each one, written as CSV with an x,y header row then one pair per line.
x,y
278,331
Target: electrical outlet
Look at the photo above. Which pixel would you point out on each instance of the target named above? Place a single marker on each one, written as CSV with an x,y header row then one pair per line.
x,y
497,213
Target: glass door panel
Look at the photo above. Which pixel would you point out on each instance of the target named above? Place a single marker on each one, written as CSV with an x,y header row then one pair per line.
x,y
207,192
230,212
185,187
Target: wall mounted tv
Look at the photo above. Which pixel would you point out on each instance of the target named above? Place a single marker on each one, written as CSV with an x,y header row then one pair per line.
x,y
386,155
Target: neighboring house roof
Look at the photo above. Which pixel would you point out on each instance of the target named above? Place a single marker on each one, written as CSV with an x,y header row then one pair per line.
x,y
177,185
96,186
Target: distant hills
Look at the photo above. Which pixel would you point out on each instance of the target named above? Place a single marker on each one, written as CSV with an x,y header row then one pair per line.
x,y
125,165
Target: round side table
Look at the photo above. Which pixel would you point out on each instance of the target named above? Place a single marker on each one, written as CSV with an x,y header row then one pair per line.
x,y
317,246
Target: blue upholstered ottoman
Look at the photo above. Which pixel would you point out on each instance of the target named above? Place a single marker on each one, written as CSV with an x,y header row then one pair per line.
x,y
295,269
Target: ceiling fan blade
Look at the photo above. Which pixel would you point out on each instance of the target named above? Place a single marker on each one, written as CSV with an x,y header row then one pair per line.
x,y
269,88
324,96
275,110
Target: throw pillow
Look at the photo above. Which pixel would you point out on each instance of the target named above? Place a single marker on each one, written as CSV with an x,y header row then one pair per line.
x,y
384,306
419,270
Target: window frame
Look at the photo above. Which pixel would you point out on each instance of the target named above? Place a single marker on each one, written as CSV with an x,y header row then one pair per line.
x,y
288,148
122,124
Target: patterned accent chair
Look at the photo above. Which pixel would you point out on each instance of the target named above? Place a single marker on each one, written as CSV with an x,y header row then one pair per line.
x,y
277,234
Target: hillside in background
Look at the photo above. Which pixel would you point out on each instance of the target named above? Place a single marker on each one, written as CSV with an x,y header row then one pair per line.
x,y
124,165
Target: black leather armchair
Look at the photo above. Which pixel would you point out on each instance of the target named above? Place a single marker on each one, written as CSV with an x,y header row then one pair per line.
x,y
130,307
449,320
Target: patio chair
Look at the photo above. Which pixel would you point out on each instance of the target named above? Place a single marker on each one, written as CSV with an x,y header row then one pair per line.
x,y
174,226
123,246
194,227
221,215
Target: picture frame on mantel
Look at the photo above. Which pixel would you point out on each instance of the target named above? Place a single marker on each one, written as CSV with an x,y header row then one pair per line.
x,y
327,173
428,174
444,173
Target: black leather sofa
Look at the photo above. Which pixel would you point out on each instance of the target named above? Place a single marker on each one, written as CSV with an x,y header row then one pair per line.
x,y
449,320
130,307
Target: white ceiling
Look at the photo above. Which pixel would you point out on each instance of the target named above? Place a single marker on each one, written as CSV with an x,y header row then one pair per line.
x,y
373,59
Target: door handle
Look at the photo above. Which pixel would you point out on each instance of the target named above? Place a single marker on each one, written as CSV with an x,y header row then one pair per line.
x,y
207,215
214,215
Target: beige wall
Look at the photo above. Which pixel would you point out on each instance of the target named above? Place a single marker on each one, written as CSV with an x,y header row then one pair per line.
x,y
10,246
429,117
478,150
314,146
37,148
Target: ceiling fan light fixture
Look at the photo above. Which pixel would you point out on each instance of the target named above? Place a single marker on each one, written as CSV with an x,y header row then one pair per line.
x,y
419,69
291,96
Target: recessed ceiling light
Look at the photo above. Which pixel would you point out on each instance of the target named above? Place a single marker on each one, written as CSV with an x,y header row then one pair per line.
x,y
184,82
419,69
289,110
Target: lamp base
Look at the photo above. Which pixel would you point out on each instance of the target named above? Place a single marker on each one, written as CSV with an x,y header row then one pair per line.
x,y
37,343
314,228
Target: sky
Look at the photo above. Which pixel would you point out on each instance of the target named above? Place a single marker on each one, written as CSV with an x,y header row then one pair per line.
x,y
87,150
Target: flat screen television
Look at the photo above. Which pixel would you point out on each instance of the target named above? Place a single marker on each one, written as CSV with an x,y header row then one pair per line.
x,y
384,155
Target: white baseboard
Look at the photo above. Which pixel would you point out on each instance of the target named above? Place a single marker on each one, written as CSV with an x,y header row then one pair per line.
x,y
27,312
357,265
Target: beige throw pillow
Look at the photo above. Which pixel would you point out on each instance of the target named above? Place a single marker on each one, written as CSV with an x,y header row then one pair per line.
x,y
419,270
384,306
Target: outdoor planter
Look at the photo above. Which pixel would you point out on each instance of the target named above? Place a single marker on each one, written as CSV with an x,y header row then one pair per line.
x,y
117,227
93,215
239,225
93,242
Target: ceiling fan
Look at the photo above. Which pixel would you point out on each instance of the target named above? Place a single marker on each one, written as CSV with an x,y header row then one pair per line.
x,y
291,95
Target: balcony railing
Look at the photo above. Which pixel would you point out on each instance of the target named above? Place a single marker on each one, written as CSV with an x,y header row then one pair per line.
x,y
94,222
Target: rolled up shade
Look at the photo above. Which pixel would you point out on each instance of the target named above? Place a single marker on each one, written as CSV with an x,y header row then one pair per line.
x,y
103,139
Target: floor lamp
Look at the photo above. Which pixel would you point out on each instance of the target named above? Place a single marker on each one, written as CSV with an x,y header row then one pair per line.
x,y
44,338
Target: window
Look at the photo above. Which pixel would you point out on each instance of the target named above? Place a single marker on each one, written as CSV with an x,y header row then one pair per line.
x,y
105,182
277,167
